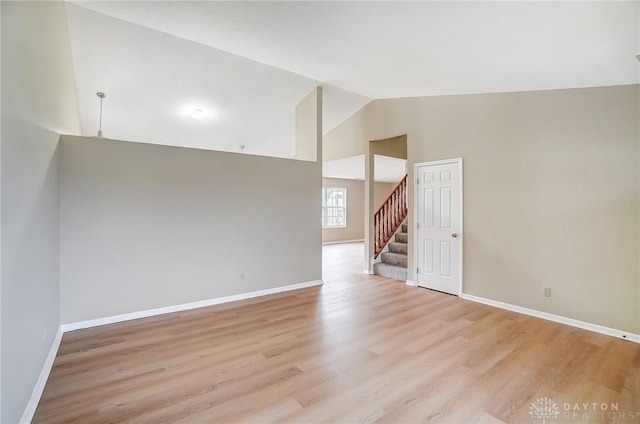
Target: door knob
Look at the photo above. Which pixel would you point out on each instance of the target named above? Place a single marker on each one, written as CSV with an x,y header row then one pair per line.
x,y
454,235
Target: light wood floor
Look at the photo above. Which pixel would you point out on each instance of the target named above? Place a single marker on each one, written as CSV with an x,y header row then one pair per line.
x,y
358,349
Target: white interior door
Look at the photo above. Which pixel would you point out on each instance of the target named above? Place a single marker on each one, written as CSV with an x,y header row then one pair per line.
x,y
439,225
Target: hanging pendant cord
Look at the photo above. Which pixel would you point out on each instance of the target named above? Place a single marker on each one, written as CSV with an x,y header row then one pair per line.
x,y
101,95
100,129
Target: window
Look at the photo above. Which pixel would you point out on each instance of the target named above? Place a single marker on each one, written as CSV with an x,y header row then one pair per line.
x,y
334,207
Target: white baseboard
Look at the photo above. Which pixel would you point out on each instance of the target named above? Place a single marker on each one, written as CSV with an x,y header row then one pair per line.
x,y
30,410
326,243
185,306
411,283
625,335
366,271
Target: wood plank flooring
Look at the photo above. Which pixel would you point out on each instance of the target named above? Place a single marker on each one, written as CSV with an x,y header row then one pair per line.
x,y
358,349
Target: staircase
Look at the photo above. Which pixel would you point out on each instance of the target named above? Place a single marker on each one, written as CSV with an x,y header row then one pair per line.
x,y
394,262
389,243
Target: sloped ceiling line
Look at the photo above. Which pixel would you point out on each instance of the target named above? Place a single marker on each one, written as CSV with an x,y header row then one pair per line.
x,y
247,62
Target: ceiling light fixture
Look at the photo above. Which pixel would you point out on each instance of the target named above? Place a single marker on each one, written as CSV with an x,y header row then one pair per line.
x,y
101,96
198,114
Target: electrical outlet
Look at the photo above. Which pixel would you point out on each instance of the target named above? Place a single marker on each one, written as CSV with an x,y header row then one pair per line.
x,y
546,291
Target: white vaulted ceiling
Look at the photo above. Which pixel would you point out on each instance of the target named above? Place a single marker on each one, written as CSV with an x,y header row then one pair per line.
x,y
386,169
153,79
252,61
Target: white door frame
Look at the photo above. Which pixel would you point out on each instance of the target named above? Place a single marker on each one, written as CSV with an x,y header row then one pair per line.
x,y
416,213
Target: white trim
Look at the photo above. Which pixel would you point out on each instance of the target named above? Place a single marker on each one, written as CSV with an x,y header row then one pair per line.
x,y
438,162
461,270
326,243
411,283
324,193
368,272
457,161
185,306
30,410
620,334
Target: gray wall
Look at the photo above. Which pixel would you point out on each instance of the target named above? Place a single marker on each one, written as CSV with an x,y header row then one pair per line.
x,y
38,101
307,146
551,196
355,211
355,208
380,193
146,226
551,191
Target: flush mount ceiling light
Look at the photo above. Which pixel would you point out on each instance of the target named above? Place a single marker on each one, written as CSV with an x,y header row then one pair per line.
x,y
198,113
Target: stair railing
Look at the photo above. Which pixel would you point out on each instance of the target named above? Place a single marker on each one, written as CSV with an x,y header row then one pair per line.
x,y
389,216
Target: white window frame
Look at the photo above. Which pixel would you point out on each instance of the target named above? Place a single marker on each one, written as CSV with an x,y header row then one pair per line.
x,y
325,208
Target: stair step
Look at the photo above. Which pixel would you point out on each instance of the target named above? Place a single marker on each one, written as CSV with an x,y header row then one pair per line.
x,y
405,228
395,259
402,237
390,271
395,247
